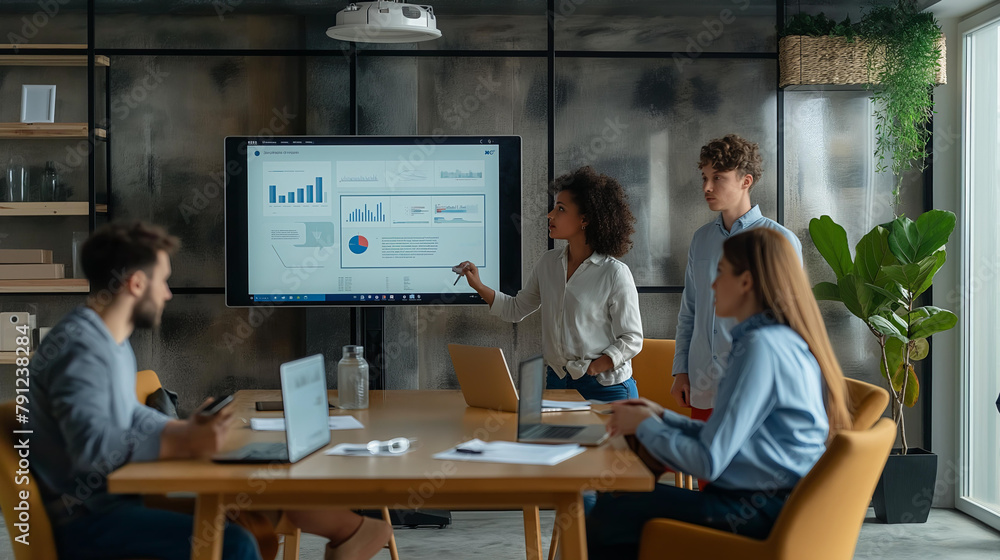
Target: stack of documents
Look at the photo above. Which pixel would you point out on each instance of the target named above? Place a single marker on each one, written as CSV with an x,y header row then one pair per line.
x,y
510,452
564,406
278,424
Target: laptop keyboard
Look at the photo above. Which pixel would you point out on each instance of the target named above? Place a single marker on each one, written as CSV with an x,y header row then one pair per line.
x,y
267,451
557,432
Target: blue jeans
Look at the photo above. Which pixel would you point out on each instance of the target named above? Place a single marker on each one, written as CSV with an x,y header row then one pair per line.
x,y
615,523
136,531
591,389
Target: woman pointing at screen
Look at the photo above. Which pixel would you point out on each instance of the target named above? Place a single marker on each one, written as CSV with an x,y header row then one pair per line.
x,y
591,327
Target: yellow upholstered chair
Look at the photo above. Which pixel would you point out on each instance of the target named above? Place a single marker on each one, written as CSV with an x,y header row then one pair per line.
x,y
820,521
146,383
869,402
41,544
651,369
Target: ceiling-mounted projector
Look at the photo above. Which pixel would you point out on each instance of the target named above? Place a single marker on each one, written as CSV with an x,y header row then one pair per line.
x,y
385,21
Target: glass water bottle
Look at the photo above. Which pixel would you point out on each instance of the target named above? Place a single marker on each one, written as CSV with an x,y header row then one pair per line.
x,y
352,378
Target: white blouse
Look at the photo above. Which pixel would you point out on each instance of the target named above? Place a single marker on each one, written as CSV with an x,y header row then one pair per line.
x,y
595,312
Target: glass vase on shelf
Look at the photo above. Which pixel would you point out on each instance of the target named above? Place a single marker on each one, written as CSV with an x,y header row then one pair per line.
x,y
17,180
352,378
50,184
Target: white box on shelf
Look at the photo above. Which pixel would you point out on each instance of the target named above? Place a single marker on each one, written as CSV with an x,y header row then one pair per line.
x,y
38,104
8,329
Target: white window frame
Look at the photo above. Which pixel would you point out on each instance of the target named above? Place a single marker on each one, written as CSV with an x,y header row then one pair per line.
x,y
974,509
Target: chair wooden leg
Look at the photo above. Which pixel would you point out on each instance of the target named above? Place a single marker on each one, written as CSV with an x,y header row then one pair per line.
x,y
678,480
291,545
393,552
554,543
532,533
689,482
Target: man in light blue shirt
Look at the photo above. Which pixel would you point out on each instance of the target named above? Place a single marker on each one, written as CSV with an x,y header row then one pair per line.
x,y
730,167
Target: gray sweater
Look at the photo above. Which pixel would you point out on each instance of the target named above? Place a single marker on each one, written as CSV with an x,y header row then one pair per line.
x,y
85,416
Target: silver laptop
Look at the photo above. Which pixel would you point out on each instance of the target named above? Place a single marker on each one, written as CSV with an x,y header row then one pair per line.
x,y
303,396
529,412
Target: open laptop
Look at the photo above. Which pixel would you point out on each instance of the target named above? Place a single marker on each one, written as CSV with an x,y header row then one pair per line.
x,y
485,380
483,375
529,413
303,394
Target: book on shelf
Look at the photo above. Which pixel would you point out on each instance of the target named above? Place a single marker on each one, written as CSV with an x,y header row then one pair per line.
x,y
32,271
25,256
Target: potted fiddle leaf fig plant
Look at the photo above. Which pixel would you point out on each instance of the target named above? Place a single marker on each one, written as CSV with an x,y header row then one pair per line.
x,y
893,265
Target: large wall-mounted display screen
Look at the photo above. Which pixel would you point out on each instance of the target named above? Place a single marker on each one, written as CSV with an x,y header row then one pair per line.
x,y
370,220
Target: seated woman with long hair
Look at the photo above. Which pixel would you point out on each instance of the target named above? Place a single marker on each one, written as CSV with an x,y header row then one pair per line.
x,y
781,398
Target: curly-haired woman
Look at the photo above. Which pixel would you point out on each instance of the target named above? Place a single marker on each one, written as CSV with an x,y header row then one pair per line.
x,y
591,327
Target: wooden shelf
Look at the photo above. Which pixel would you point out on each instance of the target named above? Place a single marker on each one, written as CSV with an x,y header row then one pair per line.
x,y
49,209
28,46
8,358
51,60
48,130
67,285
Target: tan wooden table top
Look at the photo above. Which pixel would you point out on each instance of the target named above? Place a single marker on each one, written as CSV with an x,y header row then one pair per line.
x,y
438,419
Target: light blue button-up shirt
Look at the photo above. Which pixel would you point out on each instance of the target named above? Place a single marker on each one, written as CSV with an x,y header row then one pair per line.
x,y
703,340
770,424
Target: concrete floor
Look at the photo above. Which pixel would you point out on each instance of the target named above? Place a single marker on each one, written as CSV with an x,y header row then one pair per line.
x,y
948,535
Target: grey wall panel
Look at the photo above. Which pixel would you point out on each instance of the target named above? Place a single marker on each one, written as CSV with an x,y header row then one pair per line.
x,y
328,330
644,122
27,22
203,349
328,95
388,96
689,28
225,29
168,166
659,314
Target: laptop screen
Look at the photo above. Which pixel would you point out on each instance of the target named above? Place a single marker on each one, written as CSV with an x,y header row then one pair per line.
x,y
531,384
303,392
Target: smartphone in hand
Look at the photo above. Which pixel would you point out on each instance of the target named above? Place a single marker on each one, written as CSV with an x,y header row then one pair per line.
x,y
216,405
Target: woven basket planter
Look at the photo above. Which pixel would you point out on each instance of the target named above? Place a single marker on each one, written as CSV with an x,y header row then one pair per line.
x,y
829,60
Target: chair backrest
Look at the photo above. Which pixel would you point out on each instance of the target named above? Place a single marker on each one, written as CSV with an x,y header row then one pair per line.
x,y
651,369
869,402
146,383
41,544
823,516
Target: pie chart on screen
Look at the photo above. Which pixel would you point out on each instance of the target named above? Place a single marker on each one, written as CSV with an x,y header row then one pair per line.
x,y
358,244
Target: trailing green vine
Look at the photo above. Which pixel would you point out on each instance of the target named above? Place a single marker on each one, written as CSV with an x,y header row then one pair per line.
x,y
906,42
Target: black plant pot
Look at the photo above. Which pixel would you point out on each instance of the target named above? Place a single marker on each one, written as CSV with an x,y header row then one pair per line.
x,y
905,490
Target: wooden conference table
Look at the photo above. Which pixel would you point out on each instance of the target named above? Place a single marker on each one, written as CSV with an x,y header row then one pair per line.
x,y
439,420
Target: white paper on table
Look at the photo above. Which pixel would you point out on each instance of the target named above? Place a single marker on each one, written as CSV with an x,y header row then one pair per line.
x,y
513,453
278,424
564,406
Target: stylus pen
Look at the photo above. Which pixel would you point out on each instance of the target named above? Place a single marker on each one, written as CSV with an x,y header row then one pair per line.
x,y
457,279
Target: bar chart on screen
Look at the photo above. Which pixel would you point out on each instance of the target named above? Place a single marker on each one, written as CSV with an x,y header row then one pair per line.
x,y
297,189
